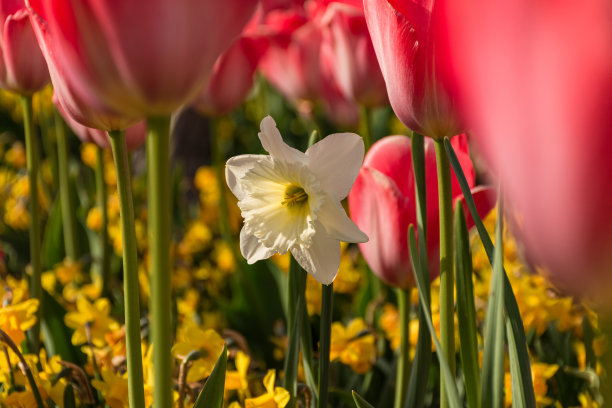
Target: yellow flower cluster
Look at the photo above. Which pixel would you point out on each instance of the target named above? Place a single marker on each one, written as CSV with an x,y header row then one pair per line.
x,y
353,345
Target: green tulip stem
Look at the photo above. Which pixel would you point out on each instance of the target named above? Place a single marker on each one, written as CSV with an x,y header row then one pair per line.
x,y
403,363
158,159
130,270
101,197
447,321
35,227
327,296
68,212
365,127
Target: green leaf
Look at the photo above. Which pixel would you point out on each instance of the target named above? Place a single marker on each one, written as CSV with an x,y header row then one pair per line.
x,y
69,401
52,248
291,359
55,333
466,313
514,323
493,358
419,375
212,393
451,386
360,402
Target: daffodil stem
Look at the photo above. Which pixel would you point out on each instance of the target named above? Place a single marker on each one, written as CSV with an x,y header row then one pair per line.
x,y
219,166
158,159
447,321
68,213
327,296
130,270
102,198
35,237
403,363
365,127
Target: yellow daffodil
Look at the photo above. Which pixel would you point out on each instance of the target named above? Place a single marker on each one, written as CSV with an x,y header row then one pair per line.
x,y
290,200
16,319
207,342
237,379
94,316
353,345
275,397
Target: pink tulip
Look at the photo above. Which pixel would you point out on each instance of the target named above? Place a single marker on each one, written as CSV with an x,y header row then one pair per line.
x,y
383,205
402,34
232,77
535,82
135,135
22,66
351,55
141,58
292,62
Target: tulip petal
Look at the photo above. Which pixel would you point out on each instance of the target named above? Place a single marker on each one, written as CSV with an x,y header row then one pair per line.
x,y
380,209
236,167
335,161
338,225
273,142
321,259
252,250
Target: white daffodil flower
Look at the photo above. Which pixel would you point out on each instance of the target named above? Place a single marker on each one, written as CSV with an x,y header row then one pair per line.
x,y
290,201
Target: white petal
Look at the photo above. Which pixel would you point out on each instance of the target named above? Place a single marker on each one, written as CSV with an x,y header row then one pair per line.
x,y
272,141
335,161
321,259
236,167
252,250
337,224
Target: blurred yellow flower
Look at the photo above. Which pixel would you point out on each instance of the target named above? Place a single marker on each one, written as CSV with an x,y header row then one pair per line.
x,y
93,317
16,155
16,319
275,397
207,342
353,345
540,374
237,379
94,219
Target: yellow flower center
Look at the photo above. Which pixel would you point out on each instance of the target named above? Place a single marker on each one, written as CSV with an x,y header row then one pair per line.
x,y
294,196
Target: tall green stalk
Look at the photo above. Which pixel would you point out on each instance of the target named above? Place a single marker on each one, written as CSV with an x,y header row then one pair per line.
x,y
447,280
327,296
365,127
68,212
403,362
158,160
130,270
35,227
101,198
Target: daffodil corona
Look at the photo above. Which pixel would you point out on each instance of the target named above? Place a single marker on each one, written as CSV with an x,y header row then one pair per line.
x,y
290,200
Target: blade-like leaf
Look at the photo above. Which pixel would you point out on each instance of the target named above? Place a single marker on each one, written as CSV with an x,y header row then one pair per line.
x,y
513,316
360,402
419,375
451,386
69,401
466,313
212,393
291,359
493,358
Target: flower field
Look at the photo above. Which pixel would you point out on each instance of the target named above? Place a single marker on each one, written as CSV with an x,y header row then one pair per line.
x,y
304,203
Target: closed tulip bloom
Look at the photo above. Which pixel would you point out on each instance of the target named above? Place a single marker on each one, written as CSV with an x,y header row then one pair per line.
x,y
402,32
535,82
22,66
141,58
232,77
383,205
352,58
292,62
